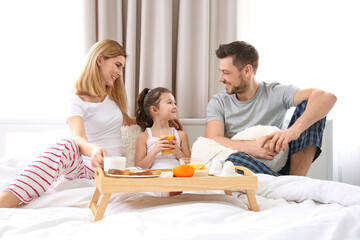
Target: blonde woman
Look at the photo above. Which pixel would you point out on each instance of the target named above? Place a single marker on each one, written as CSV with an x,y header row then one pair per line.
x,y
97,110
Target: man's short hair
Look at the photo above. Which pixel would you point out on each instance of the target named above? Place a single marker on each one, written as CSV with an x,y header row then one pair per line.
x,y
241,52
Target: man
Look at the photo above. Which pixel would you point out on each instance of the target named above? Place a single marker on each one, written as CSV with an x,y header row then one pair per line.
x,y
246,102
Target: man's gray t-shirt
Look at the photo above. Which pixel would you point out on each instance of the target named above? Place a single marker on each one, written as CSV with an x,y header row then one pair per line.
x,y
267,107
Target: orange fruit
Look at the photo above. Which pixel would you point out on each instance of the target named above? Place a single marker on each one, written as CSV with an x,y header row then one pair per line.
x,y
183,171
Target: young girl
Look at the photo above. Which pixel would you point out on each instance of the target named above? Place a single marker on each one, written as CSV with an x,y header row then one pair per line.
x,y
155,108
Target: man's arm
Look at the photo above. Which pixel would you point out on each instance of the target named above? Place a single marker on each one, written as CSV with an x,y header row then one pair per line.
x,y
215,130
318,106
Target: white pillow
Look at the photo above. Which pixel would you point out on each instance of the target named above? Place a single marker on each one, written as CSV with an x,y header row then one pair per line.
x,y
129,135
206,148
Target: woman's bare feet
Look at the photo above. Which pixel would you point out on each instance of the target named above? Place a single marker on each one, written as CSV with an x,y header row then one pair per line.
x,y
8,200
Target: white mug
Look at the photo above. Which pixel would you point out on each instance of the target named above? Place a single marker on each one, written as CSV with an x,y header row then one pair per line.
x,y
114,162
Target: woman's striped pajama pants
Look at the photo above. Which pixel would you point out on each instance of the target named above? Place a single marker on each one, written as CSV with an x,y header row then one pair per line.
x,y
61,160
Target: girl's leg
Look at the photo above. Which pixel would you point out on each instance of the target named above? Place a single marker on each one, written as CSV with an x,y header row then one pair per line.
x,y
62,159
245,160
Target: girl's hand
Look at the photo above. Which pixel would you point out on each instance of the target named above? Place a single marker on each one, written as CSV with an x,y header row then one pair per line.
x,y
97,156
174,148
161,145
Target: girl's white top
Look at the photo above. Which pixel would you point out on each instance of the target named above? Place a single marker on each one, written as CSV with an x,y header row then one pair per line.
x,y
102,123
161,161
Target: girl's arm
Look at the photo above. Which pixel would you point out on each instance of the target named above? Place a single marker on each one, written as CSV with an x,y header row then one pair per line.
x,y
142,159
95,152
185,149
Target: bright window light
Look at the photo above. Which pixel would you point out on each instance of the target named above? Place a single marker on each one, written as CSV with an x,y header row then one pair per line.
x,y
41,56
313,43
308,44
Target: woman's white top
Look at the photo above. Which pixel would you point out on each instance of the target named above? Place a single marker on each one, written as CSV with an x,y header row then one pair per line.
x,y
102,122
161,161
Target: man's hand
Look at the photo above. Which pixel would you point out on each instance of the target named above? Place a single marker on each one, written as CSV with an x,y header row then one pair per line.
x,y
259,148
280,139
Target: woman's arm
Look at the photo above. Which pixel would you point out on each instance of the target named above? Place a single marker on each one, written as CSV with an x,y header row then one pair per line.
x,y
176,124
132,120
128,120
95,152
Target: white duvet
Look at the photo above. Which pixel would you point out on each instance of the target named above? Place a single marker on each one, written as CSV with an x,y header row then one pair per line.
x,y
290,208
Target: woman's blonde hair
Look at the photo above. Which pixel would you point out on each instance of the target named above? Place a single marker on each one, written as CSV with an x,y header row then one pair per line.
x,y
90,81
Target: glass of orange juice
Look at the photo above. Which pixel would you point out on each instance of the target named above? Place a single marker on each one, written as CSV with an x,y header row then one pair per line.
x,y
169,134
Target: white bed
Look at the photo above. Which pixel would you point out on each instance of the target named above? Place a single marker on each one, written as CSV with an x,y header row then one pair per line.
x,y
290,207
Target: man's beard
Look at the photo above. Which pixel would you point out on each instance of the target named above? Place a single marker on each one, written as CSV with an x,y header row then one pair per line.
x,y
242,88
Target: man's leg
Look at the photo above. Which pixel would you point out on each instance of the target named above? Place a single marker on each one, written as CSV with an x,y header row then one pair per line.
x,y
245,160
302,160
304,150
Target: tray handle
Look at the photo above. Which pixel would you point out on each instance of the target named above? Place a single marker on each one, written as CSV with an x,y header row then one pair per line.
x,y
247,172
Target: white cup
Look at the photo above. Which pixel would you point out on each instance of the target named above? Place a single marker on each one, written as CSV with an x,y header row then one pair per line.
x,y
114,162
228,169
216,166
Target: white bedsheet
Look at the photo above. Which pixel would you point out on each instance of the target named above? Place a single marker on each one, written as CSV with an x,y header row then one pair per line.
x,y
290,208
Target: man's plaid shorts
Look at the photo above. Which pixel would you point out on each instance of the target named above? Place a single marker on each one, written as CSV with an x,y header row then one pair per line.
x,y
311,136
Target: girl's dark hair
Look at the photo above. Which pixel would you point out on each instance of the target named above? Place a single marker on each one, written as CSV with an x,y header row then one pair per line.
x,y
242,53
145,100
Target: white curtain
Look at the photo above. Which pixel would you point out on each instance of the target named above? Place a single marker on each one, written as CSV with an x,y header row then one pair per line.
x,y
169,43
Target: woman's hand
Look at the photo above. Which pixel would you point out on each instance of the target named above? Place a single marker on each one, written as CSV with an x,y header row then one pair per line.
x,y
128,120
97,157
176,124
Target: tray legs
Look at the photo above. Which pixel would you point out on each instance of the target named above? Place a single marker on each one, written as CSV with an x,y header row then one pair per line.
x,y
251,198
99,210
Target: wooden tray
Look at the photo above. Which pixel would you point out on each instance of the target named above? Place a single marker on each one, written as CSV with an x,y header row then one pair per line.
x,y
107,185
